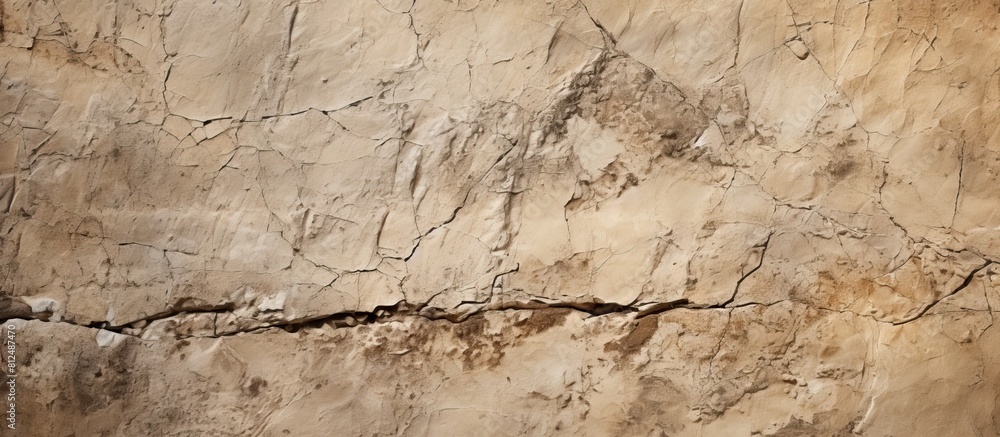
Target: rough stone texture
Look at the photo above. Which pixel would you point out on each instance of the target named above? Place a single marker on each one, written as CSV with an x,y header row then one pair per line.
x,y
398,217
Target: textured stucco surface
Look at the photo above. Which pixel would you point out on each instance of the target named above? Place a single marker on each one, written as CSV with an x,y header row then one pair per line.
x,y
501,217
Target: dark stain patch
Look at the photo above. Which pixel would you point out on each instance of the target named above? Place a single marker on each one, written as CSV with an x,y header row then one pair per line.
x,y
473,329
178,346
841,168
256,384
106,376
633,342
585,82
419,339
798,428
479,348
120,363
488,354
29,356
542,320
630,181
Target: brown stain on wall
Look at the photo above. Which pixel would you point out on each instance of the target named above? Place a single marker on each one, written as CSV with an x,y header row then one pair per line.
x,y
633,342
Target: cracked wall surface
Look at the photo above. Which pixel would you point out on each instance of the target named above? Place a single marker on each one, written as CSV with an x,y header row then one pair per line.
x,y
432,217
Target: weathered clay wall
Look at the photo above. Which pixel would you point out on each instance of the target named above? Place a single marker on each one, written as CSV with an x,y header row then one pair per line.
x,y
501,217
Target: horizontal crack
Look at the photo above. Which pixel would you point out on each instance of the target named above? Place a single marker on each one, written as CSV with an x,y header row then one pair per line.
x,y
380,314
404,309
